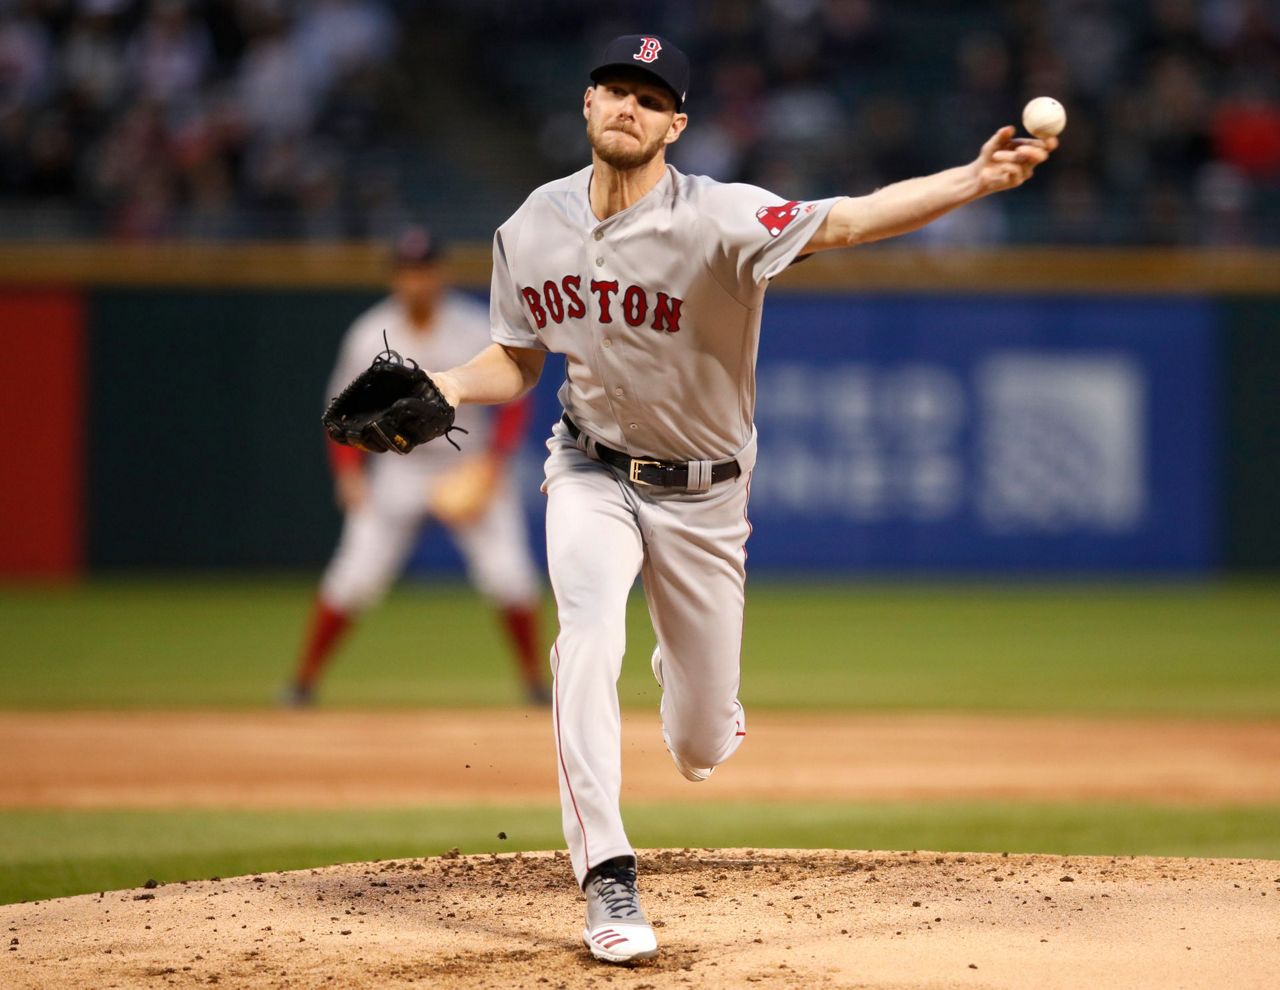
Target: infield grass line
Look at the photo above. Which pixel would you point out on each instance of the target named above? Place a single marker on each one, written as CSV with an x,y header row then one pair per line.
x,y
58,853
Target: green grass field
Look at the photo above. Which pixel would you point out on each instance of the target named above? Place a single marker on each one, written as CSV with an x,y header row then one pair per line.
x,y
1176,649
52,854
1184,649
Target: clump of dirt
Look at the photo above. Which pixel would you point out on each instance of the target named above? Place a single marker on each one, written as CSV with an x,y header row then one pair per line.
x,y
725,918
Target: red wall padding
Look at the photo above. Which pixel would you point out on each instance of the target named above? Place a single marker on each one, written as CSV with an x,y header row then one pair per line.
x,y
42,467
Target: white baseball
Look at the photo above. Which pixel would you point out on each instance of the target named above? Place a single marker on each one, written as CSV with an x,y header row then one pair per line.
x,y
1044,117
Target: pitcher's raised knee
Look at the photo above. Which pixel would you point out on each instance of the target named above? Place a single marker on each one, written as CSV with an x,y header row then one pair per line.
x,y
701,750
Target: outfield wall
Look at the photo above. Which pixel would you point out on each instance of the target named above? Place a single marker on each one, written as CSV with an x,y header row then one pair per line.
x,y
956,416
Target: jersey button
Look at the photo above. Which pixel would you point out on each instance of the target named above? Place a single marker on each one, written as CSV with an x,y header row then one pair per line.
x,y
634,426
599,262
618,392
606,343
599,235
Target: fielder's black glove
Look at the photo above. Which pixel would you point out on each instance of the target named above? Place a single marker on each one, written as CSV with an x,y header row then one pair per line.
x,y
392,405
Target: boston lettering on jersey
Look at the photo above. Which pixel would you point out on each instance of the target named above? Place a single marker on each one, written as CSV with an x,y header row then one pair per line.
x,y
563,300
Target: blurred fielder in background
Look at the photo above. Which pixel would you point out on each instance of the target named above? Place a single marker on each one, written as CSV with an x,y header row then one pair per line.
x,y
386,501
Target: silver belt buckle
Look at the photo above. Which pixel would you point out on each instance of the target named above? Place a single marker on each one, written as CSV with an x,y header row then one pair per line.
x,y
633,475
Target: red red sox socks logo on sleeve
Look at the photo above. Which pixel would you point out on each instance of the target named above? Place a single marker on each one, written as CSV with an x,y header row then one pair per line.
x,y
776,218
649,48
564,299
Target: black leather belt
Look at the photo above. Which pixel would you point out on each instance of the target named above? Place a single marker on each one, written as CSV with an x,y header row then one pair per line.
x,y
647,471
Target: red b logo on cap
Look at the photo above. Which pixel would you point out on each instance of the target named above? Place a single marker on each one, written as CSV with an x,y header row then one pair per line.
x,y
649,48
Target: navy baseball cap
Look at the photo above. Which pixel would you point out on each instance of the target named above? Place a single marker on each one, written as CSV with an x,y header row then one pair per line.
x,y
652,55
416,245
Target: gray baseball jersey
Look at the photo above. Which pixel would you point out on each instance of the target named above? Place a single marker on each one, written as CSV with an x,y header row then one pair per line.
x,y
657,309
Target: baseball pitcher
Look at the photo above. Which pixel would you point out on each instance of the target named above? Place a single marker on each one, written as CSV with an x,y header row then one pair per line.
x,y
651,284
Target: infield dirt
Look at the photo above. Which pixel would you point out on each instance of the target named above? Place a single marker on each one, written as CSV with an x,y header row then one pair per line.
x,y
398,758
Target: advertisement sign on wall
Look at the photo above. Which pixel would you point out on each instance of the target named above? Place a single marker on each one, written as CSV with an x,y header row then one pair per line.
x,y
975,434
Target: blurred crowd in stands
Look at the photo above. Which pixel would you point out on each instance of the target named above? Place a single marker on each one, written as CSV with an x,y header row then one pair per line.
x,y
207,120
232,118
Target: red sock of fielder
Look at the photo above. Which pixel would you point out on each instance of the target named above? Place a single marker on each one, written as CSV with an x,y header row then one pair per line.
x,y
326,629
522,629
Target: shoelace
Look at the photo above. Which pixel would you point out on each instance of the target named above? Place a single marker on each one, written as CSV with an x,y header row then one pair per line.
x,y
618,894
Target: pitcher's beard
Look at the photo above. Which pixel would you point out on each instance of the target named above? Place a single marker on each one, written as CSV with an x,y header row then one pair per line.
x,y
623,161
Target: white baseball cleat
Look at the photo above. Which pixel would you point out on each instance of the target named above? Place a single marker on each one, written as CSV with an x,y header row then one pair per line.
x,y
695,774
617,930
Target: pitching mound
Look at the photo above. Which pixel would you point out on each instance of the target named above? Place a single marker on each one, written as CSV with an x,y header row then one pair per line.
x,y
725,918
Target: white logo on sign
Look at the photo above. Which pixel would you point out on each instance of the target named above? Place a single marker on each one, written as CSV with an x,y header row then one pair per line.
x,y
1061,447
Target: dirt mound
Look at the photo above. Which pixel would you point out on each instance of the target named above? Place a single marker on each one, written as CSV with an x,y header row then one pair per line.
x,y
725,918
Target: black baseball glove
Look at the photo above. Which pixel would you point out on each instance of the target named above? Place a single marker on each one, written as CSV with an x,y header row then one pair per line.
x,y
392,405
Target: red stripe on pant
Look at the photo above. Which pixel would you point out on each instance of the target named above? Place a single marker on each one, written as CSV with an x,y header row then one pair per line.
x,y
586,853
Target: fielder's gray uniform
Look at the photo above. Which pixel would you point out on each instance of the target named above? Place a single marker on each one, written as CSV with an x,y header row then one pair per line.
x,y
657,311
377,538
